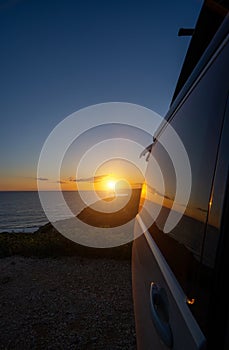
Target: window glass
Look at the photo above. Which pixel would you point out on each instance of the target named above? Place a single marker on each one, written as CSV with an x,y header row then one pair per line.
x,y
198,122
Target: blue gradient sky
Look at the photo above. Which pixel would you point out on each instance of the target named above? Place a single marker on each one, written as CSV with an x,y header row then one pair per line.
x,y
60,56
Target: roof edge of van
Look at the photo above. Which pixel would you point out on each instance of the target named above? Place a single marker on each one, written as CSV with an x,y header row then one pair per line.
x,y
207,33
208,53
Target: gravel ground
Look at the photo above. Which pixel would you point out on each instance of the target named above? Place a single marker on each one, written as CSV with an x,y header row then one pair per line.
x,y
68,302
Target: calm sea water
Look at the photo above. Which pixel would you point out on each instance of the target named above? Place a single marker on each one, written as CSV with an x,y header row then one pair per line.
x,y
23,212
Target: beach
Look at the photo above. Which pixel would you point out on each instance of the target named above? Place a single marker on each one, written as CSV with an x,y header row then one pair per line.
x,y
56,294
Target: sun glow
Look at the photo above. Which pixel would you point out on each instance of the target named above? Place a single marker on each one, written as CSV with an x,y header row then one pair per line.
x,y
111,185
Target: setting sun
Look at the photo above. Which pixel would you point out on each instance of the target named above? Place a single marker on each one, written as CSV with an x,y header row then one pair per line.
x,y
111,185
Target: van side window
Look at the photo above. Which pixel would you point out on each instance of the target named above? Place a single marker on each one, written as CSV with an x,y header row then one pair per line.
x,y
198,119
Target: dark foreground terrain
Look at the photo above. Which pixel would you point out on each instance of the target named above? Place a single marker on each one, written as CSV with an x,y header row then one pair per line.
x,y
55,294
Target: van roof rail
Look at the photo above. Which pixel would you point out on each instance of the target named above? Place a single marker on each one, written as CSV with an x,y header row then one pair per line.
x,y
210,18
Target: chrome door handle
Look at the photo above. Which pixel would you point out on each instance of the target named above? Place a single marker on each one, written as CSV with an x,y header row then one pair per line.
x,y
160,315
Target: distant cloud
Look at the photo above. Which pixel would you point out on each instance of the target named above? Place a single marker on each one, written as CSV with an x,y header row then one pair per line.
x,y
61,182
92,179
42,178
71,179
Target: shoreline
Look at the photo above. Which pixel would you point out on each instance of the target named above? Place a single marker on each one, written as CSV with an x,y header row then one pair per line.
x,y
32,229
24,223
48,242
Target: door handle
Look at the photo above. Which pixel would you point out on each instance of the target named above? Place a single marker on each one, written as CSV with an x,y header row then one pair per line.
x,y
160,314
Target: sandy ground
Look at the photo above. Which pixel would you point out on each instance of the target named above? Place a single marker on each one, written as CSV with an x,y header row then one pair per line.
x,y
67,302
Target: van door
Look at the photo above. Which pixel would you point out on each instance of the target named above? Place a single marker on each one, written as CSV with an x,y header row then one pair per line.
x,y
172,285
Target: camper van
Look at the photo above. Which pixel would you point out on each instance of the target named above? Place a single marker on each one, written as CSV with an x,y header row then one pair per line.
x,y
180,276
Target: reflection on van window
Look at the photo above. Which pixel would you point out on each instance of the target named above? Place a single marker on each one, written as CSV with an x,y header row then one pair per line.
x,y
198,123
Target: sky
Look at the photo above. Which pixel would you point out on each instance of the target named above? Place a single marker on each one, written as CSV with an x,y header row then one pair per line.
x,y
58,57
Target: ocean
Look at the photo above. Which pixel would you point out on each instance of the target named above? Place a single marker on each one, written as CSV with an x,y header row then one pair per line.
x,y
22,211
